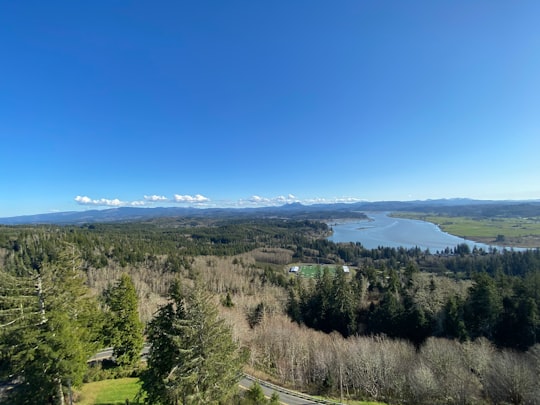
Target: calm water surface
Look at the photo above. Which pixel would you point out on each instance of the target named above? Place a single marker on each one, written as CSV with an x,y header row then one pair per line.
x,y
382,230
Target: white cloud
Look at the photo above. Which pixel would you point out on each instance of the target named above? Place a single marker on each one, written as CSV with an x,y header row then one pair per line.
x,y
202,201
155,198
148,200
196,199
349,199
139,203
324,200
101,202
259,201
286,199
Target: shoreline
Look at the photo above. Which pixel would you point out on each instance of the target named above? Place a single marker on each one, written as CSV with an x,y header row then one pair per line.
x,y
509,242
460,228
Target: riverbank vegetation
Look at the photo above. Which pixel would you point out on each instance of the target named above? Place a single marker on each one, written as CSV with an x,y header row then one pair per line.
x,y
404,326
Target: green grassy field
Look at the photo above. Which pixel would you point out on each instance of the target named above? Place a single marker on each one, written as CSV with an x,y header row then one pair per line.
x,y
519,232
311,270
109,392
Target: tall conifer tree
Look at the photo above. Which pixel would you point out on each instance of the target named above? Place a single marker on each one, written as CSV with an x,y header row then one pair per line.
x,y
48,350
124,328
193,358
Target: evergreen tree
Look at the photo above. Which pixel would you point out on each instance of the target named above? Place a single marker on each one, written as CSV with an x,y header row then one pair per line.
x,y
47,355
228,302
387,318
255,395
416,324
484,305
274,399
394,285
193,358
518,323
453,324
293,306
318,311
342,310
165,350
256,315
124,329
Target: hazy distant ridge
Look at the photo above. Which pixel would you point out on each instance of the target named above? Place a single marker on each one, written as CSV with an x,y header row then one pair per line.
x,y
458,206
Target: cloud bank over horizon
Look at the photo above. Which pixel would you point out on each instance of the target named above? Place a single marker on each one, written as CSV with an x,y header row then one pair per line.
x,y
201,201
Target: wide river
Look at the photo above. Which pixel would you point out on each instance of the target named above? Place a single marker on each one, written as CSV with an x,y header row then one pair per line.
x,y
382,230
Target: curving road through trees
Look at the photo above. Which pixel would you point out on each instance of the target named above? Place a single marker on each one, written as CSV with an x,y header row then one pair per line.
x,y
286,397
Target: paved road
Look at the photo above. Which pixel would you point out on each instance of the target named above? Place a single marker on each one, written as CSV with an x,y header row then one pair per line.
x,y
107,353
103,354
284,397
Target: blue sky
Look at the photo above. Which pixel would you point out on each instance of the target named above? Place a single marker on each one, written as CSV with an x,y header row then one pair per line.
x,y
245,103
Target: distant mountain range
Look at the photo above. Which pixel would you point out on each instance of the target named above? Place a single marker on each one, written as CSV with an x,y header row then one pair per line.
x,y
456,206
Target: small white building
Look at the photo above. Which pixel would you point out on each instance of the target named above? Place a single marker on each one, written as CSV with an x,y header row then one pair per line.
x,y
294,269
346,269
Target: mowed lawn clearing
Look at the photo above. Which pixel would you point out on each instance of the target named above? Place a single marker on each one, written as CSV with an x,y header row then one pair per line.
x,y
312,271
108,392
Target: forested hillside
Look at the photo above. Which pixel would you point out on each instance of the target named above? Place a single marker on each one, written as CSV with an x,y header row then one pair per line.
x,y
405,326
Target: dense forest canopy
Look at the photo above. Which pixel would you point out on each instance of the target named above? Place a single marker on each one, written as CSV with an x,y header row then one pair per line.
x,y
382,297
459,294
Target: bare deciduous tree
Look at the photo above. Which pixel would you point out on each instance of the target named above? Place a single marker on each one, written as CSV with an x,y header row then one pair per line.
x,y
511,378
